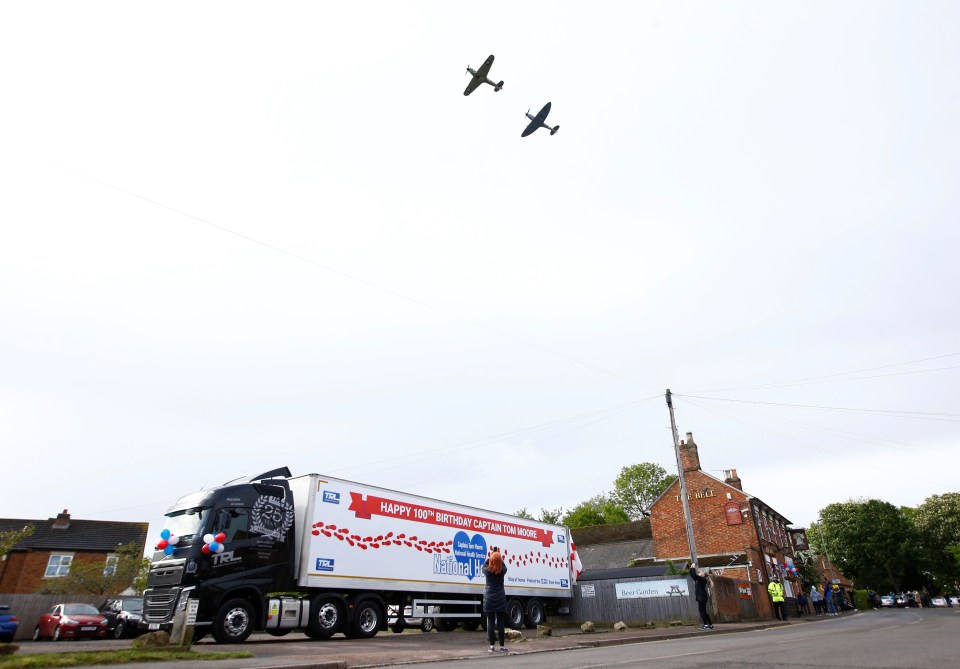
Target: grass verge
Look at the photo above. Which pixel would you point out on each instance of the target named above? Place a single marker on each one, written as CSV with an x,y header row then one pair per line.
x,y
104,657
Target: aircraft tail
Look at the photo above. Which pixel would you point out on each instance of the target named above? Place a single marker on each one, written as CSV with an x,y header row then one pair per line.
x,y
498,87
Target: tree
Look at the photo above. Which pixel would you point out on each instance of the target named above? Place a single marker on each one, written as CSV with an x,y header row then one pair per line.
x,y
637,486
92,578
938,525
870,541
599,510
551,516
10,538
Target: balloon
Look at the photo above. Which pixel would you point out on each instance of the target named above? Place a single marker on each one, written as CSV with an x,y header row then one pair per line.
x,y
219,548
213,545
220,538
174,539
163,543
168,550
165,534
206,549
207,538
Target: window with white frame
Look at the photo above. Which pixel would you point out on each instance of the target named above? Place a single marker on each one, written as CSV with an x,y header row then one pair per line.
x,y
59,565
110,568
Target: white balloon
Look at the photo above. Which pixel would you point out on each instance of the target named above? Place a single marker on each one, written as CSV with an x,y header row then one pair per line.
x,y
219,548
173,540
207,538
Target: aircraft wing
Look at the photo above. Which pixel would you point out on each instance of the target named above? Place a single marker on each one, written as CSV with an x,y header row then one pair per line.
x,y
472,86
530,129
485,68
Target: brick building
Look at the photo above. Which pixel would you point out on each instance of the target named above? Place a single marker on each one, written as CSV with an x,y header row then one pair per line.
x,y
737,535
57,544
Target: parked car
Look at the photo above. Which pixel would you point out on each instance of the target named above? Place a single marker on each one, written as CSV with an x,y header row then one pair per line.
x,y
124,616
71,621
8,624
888,601
397,625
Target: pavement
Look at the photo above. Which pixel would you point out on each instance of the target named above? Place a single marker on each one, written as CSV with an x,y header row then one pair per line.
x,y
296,651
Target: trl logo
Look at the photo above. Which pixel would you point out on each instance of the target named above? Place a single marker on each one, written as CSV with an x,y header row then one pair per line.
x,y
324,564
331,497
561,538
564,583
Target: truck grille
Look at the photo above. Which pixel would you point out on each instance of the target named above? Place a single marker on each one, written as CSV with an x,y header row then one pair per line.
x,y
158,605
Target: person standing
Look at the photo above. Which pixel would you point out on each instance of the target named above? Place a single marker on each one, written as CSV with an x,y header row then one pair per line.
x,y
702,595
817,600
776,594
828,599
802,603
495,599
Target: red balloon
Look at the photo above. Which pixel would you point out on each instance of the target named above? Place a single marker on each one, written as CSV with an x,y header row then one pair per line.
x,y
163,544
206,549
220,538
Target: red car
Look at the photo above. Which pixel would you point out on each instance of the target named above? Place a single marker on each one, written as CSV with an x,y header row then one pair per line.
x,y
71,621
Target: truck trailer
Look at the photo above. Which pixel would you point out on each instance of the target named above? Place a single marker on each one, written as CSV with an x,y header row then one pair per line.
x,y
279,553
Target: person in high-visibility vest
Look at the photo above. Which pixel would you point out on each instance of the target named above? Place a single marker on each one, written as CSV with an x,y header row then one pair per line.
x,y
776,594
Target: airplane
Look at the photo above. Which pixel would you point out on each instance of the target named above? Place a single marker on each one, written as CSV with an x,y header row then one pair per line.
x,y
537,122
480,77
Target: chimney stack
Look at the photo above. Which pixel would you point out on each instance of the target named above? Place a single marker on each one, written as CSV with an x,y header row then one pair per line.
x,y
730,478
688,454
62,521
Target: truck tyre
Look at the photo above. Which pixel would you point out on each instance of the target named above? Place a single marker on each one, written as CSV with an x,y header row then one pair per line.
x,y
366,620
471,625
283,632
514,613
234,622
326,617
446,624
426,625
536,614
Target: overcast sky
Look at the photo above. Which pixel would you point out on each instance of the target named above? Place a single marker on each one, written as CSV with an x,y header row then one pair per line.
x,y
241,236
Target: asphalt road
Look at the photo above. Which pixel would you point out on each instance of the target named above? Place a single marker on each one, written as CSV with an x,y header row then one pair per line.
x,y
887,638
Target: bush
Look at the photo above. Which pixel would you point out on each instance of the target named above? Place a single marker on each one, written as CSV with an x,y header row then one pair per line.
x,y
861,599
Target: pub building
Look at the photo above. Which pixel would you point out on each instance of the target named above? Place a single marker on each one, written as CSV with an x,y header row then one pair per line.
x,y
737,535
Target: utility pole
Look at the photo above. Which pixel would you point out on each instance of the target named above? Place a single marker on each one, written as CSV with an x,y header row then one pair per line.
x,y
683,482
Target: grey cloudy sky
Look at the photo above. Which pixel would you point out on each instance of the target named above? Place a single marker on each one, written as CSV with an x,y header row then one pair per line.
x,y
238,236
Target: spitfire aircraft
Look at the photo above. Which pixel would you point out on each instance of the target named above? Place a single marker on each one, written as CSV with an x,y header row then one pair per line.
x,y
538,122
480,77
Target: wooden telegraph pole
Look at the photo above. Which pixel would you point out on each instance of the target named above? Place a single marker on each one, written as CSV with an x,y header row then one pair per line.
x,y
683,482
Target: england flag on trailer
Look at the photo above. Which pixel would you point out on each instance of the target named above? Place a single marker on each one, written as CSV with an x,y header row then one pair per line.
x,y
576,567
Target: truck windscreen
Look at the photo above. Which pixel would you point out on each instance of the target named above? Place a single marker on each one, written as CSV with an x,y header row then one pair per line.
x,y
187,523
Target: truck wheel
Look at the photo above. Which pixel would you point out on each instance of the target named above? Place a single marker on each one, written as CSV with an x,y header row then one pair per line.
x,y
426,625
366,620
446,624
470,625
326,617
283,632
234,622
514,614
536,614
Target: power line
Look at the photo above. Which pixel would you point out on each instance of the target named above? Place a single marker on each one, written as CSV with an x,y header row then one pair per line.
x,y
810,380
364,282
920,415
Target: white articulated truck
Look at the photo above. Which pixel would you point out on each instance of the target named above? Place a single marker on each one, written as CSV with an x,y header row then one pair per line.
x,y
323,555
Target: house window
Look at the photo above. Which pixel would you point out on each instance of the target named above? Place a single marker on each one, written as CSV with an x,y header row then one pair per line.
x,y
111,567
59,565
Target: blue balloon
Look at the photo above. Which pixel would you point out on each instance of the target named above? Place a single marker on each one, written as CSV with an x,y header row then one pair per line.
x,y
168,550
214,546
165,534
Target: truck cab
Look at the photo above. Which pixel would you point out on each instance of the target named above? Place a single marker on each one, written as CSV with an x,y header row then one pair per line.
x,y
229,577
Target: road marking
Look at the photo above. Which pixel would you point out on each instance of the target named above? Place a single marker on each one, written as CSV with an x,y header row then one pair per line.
x,y
637,660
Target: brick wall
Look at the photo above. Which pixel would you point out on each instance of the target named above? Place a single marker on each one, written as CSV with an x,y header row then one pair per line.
x,y
712,534
23,572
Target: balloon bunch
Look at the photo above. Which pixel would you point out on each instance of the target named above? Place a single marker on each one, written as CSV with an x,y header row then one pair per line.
x,y
167,542
213,544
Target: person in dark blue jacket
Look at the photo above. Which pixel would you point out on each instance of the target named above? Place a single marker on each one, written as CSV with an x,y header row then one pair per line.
x,y
495,599
702,595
